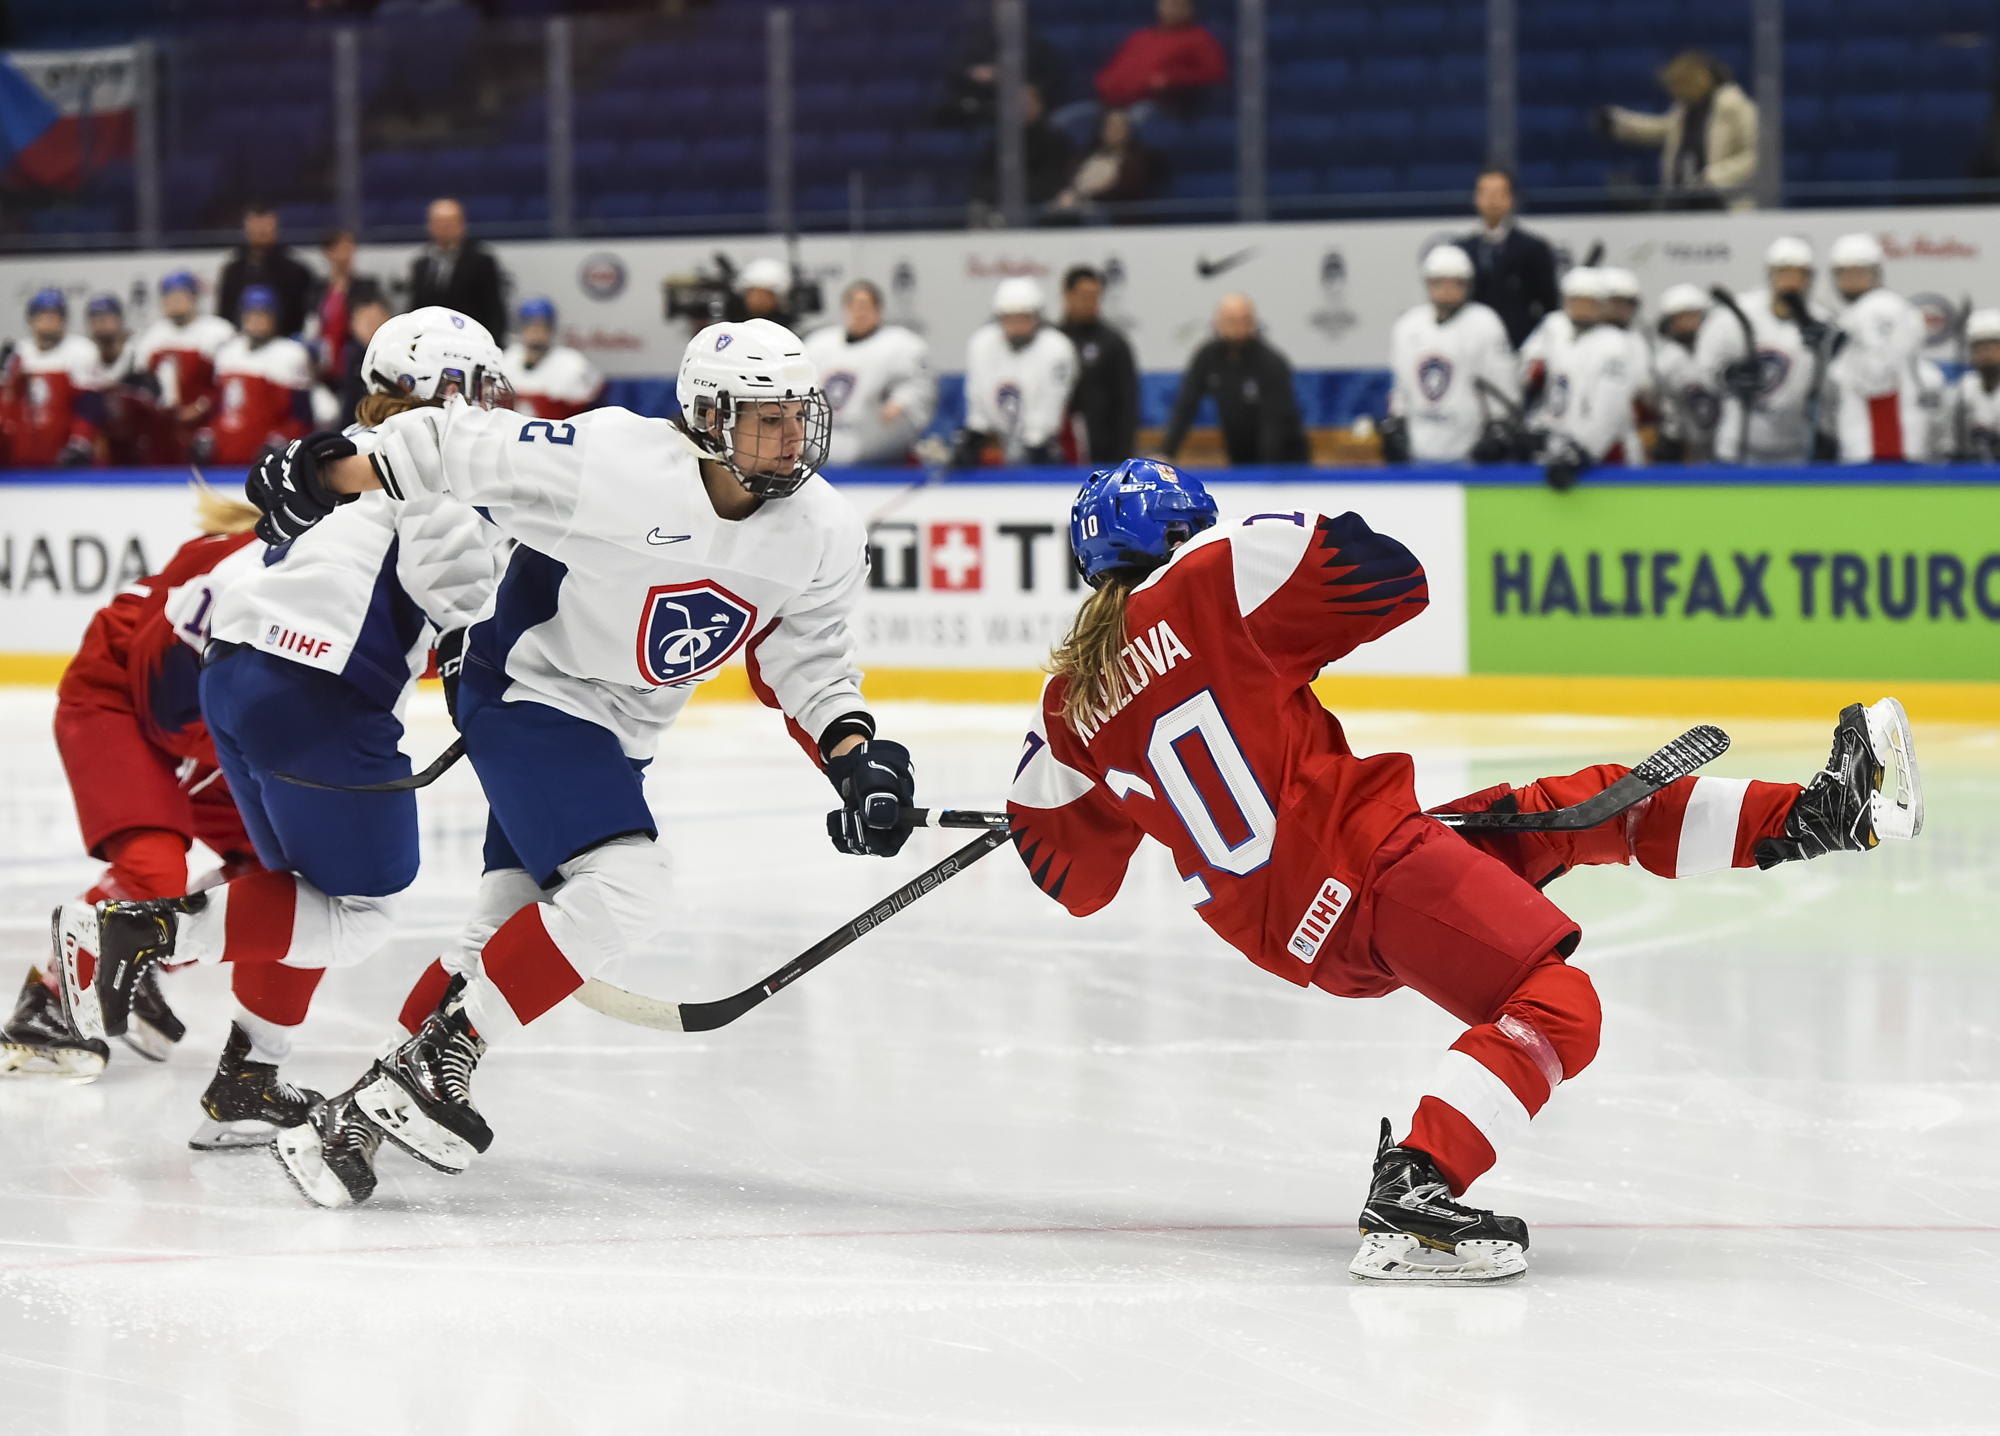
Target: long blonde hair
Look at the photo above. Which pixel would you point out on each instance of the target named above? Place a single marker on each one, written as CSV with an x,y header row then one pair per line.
x,y
1089,657
215,515
374,408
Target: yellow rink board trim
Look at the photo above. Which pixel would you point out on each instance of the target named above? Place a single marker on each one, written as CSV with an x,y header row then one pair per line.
x,y
1480,693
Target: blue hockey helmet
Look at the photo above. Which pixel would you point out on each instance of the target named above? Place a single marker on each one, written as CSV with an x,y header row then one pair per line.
x,y
104,304
51,299
1134,516
180,279
260,296
538,311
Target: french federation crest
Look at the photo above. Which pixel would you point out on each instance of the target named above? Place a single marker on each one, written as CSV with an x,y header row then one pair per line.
x,y
1434,376
1774,366
838,388
686,629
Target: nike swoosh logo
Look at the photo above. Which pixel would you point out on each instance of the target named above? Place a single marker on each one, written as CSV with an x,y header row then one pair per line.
x,y
1209,268
656,537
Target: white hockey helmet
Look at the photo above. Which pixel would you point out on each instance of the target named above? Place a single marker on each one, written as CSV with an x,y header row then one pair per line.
x,y
1788,251
1982,325
433,353
730,367
1621,284
1448,261
1683,299
772,274
1855,251
1019,295
1584,282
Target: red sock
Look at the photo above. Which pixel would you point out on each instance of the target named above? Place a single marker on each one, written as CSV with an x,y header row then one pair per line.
x,y
274,992
523,961
424,997
257,925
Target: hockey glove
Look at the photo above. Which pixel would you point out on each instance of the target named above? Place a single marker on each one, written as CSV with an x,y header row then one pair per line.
x,y
451,660
1395,440
286,487
1743,378
875,783
1499,443
1047,455
1670,449
968,449
1563,461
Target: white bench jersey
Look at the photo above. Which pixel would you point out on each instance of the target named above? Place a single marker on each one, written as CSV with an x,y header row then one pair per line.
x,y
1436,371
1876,378
890,366
1778,417
1020,395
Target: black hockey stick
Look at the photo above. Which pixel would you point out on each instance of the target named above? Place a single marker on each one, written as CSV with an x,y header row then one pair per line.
x,y
397,785
1678,759
1728,301
642,1011
1823,341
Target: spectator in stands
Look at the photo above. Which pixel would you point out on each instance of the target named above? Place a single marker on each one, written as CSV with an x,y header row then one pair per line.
x,y
1106,398
1707,137
971,100
877,381
1120,168
1169,63
263,263
1513,271
263,381
331,303
551,380
367,310
1047,153
456,271
1251,384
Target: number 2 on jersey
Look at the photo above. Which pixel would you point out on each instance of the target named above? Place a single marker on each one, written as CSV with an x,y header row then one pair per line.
x,y
567,436
1201,715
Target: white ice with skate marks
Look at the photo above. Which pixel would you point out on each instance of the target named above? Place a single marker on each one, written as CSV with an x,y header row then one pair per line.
x,y
997,1170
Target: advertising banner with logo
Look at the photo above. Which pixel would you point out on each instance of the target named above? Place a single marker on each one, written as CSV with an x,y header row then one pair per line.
x,y
67,548
1890,582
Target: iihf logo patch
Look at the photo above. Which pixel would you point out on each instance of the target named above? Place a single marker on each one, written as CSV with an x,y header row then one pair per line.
x,y
837,386
1434,376
687,629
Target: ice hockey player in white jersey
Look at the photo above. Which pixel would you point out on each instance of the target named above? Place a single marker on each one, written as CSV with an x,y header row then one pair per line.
x,y
1547,341
1883,403
551,380
650,552
1779,370
1018,374
1587,415
877,379
1686,392
1452,373
1975,398
1623,300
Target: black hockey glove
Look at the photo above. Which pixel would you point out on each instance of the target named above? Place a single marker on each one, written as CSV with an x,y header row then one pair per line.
x,y
1743,378
1670,449
1395,440
1499,443
1563,463
286,487
451,661
875,784
1047,455
968,449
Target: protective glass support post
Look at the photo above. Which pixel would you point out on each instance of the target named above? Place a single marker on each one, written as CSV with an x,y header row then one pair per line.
x,y
1503,109
347,127
1010,28
146,145
1251,204
1767,60
561,96
778,115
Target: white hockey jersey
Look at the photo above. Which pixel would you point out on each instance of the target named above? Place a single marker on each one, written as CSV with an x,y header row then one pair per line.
x,y
560,385
1545,344
1018,395
1687,400
1436,376
1589,396
1975,418
1876,381
182,356
627,589
889,366
1778,417
364,593
120,368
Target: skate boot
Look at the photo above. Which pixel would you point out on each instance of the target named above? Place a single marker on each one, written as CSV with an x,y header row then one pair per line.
x,y
247,1104
1412,1228
154,1028
39,1040
420,1095
1868,791
330,1156
103,953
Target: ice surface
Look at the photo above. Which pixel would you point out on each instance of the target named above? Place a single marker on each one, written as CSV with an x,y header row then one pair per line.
x,y
997,1170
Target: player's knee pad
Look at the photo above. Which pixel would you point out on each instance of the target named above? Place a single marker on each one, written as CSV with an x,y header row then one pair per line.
x,y
610,903
502,893
1558,1005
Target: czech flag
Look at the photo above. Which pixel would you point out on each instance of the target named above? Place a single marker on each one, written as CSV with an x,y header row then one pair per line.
x,y
65,113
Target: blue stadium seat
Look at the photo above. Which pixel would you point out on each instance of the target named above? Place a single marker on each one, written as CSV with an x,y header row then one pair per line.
x,y
1383,135
1460,77
940,147
405,212
1801,166
1858,166
853,148
1538,174
1935,65
745,202
823,199
1296,139
392,172
1441,178
654,160
1951,118
1811,19
1361,179
889,99
622,204
1583,174
1808,67
690,203
1628,75
1805,119
726,157
1210,186
526,163
1656,23
595,164
1336,31
1868,120
1411,29
1551,23
1455,134
822,100
1404,80
461,170
1873,64
526,121
1292,181
1545,75
488,208
307,219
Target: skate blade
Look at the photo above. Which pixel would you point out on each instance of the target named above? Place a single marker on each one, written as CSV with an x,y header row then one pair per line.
x,y
72,934
1897,807
390,1107
147,1040
246,1135
75,1065
1399,1257
297,1151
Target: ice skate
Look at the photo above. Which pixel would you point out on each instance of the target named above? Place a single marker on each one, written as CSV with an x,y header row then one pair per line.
x,y
154,1028
1413,1230
330,1156
247,1104
73,944
105,952
420,1095
1869,790
39,1040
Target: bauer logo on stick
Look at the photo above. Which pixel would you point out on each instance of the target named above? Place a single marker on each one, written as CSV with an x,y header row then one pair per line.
x,y
688,629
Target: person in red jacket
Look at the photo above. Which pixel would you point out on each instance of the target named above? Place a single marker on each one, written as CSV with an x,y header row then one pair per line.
x,y
143,774
1164,63
1181,709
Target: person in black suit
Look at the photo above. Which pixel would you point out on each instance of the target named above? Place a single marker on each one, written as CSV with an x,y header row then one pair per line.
x,y
457,272
1106,396
263,262
1513,271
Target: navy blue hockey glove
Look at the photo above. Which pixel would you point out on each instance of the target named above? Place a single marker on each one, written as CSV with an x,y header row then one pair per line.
x,y
875,784
451,661
286,487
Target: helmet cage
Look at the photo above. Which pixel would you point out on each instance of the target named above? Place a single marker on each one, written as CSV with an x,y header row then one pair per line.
x,y
714,432
486,388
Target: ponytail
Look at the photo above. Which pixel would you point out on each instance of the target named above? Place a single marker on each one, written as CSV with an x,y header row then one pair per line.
x,y
215,515
1089,656
374,408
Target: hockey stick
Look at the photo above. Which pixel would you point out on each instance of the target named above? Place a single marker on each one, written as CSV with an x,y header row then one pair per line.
x,y
642,1011
398,785
1693,749
1728,301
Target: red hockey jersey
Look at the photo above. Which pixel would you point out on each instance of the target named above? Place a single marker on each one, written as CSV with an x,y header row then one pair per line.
x,y
43,398
263,396
1222,752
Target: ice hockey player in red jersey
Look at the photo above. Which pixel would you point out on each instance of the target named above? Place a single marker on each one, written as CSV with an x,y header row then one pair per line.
x,y
179,350
1181,708
263,385
45,392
